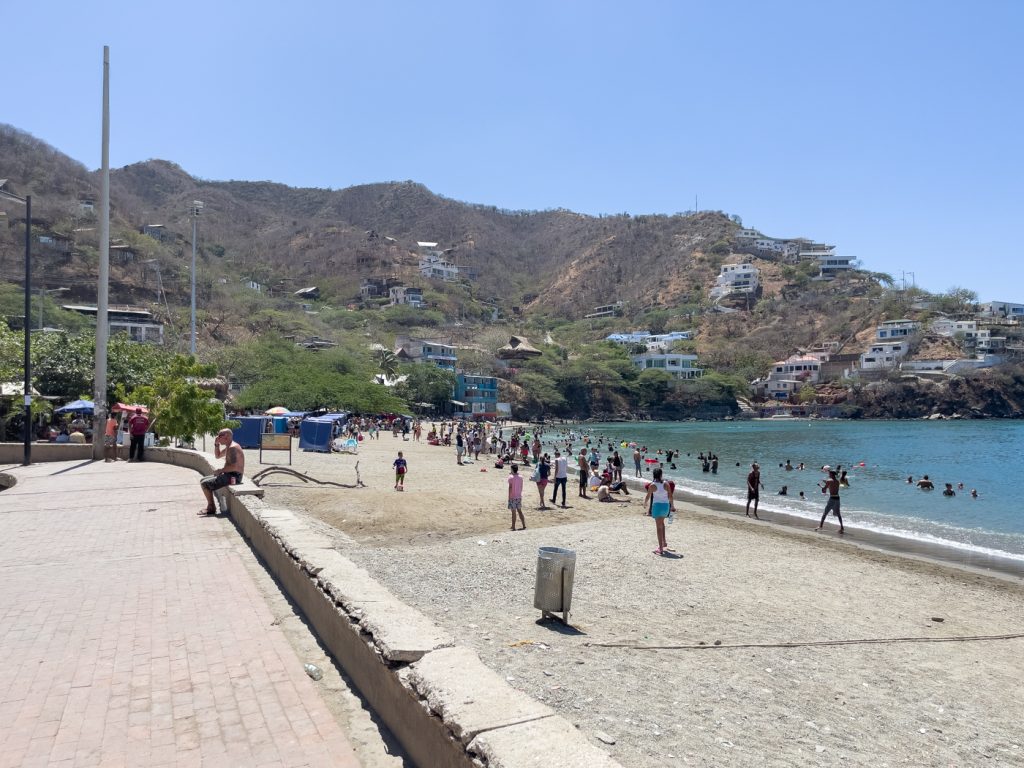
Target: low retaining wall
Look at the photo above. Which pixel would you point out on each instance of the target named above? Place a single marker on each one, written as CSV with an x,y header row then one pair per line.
x,y
14,453
446,708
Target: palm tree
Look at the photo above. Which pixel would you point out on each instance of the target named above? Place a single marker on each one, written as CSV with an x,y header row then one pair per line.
x,y
387,362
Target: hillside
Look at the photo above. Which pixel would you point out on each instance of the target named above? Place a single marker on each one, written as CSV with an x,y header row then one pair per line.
x,y
538,272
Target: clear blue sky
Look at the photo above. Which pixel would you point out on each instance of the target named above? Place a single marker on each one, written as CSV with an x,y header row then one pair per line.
x,y
893,129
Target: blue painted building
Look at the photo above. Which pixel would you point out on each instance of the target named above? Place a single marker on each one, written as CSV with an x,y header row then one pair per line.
x,y
476,397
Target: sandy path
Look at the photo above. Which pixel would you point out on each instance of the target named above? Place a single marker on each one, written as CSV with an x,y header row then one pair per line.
x,y
444,546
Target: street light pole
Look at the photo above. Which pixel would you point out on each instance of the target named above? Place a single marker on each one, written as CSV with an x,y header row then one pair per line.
x,y
99,414
196,208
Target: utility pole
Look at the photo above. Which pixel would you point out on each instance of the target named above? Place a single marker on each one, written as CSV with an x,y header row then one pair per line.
x,y
99,413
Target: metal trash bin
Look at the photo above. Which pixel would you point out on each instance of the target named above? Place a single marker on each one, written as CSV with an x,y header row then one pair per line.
x,y
552,593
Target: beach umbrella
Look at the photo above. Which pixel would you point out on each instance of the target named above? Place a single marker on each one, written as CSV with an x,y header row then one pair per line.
x,y
76,406
277,410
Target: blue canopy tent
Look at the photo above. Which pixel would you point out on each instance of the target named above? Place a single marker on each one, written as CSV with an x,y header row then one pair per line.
x,y
249,430
316,434
77,406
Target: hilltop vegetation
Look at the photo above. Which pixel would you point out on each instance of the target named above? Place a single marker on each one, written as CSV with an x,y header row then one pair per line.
x,y
537,273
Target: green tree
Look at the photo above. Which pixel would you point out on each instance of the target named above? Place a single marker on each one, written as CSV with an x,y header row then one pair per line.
x,y
653,387
426,383
179,407
807,394
64,366
12,346
540,394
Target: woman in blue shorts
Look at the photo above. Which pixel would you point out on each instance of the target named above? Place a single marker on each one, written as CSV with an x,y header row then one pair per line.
x,y
659,502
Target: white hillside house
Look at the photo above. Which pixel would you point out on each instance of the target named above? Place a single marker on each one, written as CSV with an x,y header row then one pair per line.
x,y
788,377
436,267
896,329
1001,309
680,366
736,279
883,356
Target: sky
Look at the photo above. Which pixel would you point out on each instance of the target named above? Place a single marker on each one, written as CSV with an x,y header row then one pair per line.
x,y
891,129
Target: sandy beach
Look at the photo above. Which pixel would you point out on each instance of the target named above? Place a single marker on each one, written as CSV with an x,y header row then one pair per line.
x,y
714,658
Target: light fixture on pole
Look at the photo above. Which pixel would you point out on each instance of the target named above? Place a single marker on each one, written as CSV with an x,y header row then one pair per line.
x,y
196,208
27,201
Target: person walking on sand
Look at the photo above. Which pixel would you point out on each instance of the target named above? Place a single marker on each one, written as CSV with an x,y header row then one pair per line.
x,y
561,476
584,465
401,467
659,502
754,486
515,497
831,487
541,473
460,447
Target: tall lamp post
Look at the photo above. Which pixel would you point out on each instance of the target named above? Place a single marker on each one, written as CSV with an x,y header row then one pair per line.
x,y
196,208
27,201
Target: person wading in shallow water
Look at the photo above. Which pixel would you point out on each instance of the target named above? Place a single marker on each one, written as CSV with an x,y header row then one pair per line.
x,y
831,487
754,486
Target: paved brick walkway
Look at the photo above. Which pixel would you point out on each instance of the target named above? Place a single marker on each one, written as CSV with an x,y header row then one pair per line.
x,y
131,633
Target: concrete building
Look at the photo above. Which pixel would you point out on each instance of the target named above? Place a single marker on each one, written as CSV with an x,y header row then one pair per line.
x,y
896,329
401,294
736,280
434,263
965,330
787,377
1001,309
882,356
476,397
426,351
137,323
680,366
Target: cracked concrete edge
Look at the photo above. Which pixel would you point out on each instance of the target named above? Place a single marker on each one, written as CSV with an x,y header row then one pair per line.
x,y
468,696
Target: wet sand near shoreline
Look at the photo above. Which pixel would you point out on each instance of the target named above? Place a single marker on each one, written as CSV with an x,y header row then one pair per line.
x,y
641,668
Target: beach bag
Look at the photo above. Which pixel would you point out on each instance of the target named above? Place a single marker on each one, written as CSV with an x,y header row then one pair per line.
x,y
535,477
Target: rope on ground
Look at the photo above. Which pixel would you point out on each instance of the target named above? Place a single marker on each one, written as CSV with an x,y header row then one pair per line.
x,y
810,643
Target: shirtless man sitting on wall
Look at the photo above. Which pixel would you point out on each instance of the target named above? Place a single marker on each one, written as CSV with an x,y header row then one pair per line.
x,y
230,474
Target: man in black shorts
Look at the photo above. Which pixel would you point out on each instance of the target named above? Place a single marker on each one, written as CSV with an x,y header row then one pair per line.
x,y
230,474
831,487
754,486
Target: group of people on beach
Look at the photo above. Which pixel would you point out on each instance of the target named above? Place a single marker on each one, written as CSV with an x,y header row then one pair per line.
x,y
598,462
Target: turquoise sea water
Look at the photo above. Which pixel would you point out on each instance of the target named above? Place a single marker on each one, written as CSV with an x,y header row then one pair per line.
x,y
986,455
